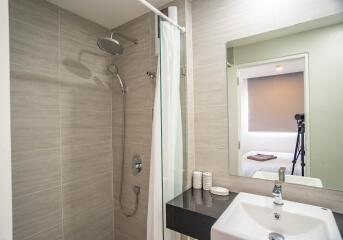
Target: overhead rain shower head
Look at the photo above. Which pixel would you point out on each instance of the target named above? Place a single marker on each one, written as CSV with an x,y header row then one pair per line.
x,y
111,45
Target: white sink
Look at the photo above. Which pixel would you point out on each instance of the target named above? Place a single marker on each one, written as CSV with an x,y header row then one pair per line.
x,y
254,217
308,181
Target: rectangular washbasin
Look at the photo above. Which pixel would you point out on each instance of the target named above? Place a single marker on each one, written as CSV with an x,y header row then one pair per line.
x,y
255,217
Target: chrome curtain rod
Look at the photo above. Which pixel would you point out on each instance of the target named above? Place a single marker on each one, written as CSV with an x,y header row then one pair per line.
x,y
159,13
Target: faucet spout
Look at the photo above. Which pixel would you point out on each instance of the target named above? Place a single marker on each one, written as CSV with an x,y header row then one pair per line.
x,y
277,190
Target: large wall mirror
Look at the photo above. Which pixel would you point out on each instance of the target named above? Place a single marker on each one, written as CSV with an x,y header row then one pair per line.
x,y
285,105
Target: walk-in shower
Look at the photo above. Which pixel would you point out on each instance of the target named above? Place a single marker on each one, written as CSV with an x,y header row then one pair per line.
x,y
114,47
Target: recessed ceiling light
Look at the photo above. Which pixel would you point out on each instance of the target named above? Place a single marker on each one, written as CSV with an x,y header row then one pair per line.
x,y
279,68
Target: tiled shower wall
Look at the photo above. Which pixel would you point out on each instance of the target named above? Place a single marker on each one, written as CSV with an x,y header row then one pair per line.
x,y
61,104
133,65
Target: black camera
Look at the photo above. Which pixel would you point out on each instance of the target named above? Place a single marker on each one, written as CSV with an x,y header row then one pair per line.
x,y
300,117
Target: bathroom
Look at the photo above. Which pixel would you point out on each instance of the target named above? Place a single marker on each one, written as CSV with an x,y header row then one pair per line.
x,y
170,120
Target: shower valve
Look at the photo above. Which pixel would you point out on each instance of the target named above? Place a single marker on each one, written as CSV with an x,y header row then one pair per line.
x,y
137,164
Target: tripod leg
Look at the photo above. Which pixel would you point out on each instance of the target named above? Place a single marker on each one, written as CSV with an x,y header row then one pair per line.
x,y
296,151
302,152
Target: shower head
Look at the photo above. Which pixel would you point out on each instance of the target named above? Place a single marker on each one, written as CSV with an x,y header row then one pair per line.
x,y
112,68
113,46
110,45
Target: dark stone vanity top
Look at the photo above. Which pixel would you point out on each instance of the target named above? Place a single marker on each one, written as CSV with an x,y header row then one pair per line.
x,y
193,213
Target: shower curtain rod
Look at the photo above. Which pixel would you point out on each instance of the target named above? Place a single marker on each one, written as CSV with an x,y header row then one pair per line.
x,y
159,13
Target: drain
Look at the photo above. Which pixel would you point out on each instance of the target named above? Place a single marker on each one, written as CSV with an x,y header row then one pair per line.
x,y
276,236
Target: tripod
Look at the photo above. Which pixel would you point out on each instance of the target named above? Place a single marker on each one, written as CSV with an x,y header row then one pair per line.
x,y
300,144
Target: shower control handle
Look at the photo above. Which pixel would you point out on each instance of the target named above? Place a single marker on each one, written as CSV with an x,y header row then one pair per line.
x,y
137,164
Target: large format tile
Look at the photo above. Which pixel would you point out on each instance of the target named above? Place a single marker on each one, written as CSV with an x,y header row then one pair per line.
x,y
211,126
139,126
37,212
140,92
82,161
34,87
35,129
215,160
141,179
54,233
85,127
39,13
34,171
33,47
88,208
77,27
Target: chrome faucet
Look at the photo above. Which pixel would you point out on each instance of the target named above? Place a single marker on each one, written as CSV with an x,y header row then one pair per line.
x,y
277,190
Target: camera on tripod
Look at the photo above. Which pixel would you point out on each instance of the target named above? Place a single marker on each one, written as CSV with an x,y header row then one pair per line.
x,y
299,117
300,143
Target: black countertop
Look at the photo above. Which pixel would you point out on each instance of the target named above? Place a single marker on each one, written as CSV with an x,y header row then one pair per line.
x,y
193,213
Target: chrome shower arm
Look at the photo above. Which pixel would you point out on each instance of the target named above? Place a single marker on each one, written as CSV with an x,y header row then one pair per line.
x,y
125,37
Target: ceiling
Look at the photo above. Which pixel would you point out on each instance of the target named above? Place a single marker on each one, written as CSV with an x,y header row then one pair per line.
x,y
269,69
108,13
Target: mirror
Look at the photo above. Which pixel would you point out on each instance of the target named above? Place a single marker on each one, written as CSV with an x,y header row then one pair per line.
x,y
285,105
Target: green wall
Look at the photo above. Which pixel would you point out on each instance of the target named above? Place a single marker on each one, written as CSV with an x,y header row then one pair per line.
x,y
324,47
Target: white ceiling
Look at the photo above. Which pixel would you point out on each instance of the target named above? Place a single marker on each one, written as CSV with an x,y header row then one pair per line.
x,y
269,69
108,13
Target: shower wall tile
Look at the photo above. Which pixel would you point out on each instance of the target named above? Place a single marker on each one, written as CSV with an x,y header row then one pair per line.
x,y
141,179
88,208
61,100
34,87
82,161
39,13
34,171
34,47
80,29
54,233
85,127
34,129
36,212
139,126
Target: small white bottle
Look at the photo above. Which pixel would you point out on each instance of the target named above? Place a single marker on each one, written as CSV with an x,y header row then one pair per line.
x,y
197,180
206,180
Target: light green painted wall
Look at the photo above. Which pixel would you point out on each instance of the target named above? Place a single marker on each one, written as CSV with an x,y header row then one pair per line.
x,y
324,47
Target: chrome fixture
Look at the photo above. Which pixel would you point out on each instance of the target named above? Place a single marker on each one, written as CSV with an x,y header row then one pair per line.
x,y
275,236
277,190
112,46
137,164
151,75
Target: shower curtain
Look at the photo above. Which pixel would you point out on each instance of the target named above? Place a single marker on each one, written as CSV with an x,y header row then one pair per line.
x,y
166,169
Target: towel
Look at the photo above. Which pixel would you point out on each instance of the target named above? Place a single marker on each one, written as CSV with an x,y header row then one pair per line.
x,y
261,157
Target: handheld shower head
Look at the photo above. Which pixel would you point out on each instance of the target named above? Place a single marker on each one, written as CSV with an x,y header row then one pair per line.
x,y
112,68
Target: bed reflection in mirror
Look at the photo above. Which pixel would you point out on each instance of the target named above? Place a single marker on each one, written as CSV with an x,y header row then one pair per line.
x,y
285,106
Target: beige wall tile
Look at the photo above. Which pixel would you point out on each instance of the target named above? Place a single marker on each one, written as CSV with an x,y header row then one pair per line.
x,y
34,213
83,161
35,129
34,47
36,12
211,126
214,160
34,171
139,124
88,208
85,127
54,233
79,28
34,87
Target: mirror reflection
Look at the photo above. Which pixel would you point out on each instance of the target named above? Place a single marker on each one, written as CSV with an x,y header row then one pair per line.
x,y
286,106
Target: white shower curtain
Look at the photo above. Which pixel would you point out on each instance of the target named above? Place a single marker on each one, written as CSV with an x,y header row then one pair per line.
x,y
166,169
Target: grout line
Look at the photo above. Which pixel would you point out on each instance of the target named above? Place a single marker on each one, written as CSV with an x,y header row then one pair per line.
x,y
60,114
39,232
